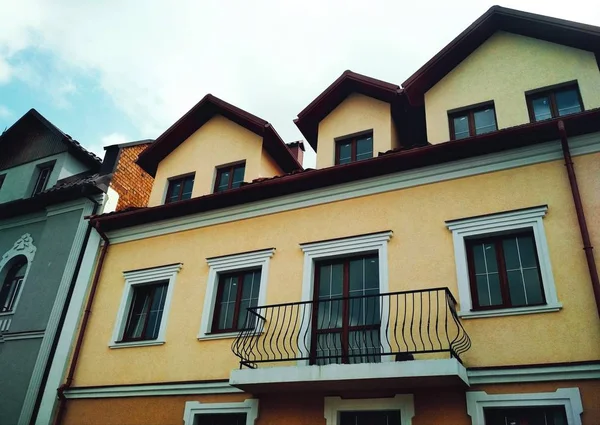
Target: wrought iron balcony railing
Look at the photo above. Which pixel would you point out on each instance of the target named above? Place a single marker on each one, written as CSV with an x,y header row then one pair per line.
x,y
357,329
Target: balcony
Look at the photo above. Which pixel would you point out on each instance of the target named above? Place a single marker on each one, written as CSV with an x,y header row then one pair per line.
x,y
409,338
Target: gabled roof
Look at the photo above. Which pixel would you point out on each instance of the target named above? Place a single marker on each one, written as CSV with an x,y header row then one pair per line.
x,y
196,117
560,31
390,162
349,82
72,146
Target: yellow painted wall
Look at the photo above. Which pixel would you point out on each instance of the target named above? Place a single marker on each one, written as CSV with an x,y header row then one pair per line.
x,y
218,142
420,256
503,69
356,113
432,405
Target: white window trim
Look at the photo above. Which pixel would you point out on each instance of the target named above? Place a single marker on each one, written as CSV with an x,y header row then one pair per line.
x,y
23,246
230,263
141,277
315,251
530,218
403,402
570,398
193,408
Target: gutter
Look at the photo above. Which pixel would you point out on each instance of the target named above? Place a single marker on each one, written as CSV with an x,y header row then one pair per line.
x,y
585,235
62,404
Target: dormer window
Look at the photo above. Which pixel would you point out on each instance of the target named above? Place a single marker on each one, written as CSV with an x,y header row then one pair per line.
x,y
180,188
43,176
355,148
230,176
472,121
559,101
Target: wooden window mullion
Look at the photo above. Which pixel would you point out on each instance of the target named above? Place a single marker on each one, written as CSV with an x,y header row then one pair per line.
x,y
471,121
353,150
553,105
502,274
230,182
238,302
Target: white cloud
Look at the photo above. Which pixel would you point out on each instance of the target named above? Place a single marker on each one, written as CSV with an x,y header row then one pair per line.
x,y
157,59
5,112
114,139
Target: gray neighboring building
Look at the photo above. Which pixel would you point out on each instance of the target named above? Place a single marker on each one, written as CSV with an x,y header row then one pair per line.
x,y
48,184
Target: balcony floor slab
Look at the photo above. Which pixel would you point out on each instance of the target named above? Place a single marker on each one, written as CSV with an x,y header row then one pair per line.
x,y
364,376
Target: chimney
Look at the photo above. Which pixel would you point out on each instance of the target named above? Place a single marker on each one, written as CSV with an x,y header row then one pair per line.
x,y
297,149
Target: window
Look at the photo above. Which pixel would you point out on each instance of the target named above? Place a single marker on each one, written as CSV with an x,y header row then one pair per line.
x,y
503,264
237,291
398,410
144,308
230,177
550,415
145,313
472,121
348,330
354,149
2,177
180,189
354,265
14,267
239,413
235,282
12,285
42,179
504,271
561,407
555,102
373,417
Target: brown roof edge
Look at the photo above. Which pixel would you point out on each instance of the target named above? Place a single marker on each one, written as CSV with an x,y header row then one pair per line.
x,y
349,82
498,18
197,116
506,139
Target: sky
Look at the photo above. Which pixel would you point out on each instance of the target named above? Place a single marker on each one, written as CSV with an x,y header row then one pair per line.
x,y
113,71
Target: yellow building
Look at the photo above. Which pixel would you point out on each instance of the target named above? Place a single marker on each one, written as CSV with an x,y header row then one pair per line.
x,y
429,271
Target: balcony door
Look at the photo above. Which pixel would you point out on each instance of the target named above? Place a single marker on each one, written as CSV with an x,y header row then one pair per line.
x,y
346,311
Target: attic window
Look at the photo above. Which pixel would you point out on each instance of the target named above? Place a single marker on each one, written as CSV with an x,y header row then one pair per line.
x,y
43,176
472,121
554,102
355,148
180,189
230,176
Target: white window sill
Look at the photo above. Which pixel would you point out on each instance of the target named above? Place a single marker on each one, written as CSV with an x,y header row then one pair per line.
x,y
548,308
227,335
135,344
7,313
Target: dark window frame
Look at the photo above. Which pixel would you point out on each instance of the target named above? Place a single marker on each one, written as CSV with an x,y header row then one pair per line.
x,y
550,93
240,274
13,278
346,328
502,275
38,187
173,181
469,111
2,178
156,285
231,168
353,139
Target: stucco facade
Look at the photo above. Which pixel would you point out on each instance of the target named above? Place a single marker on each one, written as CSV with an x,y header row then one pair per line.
x,y
502,70
412,216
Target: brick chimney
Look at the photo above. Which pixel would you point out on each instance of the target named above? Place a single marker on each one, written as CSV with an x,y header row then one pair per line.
x,y
297,149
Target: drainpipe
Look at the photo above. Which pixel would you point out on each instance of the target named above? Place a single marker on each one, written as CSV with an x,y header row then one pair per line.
x,y
62,403
585,235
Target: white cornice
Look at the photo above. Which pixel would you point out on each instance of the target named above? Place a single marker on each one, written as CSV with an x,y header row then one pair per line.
x,y
153,390
534,374
543,152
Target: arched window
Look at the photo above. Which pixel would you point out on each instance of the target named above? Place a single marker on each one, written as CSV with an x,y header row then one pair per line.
x,y
12,284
